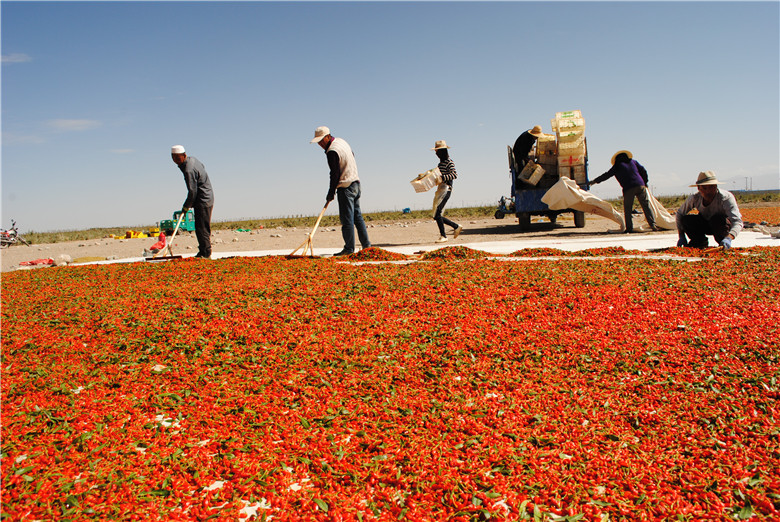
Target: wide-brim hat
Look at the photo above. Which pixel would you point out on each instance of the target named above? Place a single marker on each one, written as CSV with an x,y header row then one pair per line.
x,y
618,153
319,133
706,178
536,131
440,144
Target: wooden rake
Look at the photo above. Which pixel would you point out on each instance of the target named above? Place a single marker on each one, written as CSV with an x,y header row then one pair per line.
x,y
307,243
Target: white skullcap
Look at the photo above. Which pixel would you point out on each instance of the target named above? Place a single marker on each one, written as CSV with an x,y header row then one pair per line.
x,y
177,149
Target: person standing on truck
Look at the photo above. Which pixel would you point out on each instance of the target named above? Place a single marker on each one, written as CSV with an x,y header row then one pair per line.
x,y
345,184
633,179
523,145
444,191
200,197
710,212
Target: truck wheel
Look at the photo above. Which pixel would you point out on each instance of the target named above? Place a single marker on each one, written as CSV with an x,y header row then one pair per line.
x,y
579,219
524,218
499,214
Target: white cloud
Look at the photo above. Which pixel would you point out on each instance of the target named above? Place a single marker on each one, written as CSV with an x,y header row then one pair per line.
x,y
73,125
10,138
16,58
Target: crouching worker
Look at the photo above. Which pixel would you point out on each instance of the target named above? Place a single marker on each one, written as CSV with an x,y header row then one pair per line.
x,y
710,212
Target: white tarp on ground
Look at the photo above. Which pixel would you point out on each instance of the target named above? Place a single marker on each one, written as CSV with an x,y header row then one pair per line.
x,y
566,194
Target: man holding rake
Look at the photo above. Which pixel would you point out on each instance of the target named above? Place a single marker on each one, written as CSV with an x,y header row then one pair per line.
x,y
344,184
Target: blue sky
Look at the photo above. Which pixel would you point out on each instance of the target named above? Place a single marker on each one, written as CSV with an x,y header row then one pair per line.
x,y
94,94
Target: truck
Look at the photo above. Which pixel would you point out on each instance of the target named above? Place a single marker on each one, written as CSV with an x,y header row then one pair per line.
x,y
562,154
187,222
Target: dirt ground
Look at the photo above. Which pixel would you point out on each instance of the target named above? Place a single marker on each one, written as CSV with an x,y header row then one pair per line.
x,y
327,240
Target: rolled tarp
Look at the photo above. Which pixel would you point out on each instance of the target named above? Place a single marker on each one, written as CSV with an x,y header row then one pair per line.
x,y
566,194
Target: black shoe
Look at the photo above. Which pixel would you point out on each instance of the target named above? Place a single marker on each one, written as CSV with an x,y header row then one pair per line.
x,y
343,253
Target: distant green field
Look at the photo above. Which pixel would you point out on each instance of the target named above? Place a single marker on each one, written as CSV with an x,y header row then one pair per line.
x,y
670,202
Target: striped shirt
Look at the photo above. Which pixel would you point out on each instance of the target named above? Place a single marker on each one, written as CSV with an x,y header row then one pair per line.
x,y
448,172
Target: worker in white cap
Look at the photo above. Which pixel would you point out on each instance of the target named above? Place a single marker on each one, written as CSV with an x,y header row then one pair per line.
x,y
200,197
709,212
344,184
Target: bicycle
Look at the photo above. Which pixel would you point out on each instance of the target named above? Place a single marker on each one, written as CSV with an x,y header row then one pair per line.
x,y
11,236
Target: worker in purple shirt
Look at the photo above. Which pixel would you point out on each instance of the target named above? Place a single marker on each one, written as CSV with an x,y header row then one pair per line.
x,y
633,179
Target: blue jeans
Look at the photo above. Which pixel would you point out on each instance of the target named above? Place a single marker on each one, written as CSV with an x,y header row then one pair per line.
x,y
351,217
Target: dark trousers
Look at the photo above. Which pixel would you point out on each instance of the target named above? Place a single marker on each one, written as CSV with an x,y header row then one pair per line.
x,y
639,193
697,228
441,220
203,229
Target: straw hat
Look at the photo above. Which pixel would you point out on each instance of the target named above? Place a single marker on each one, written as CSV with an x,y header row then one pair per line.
x,y
177,149
319,133
536,131
618,153
440,144
706,178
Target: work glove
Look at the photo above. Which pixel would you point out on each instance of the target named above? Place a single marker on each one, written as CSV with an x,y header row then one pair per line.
x,y
726,243
682,242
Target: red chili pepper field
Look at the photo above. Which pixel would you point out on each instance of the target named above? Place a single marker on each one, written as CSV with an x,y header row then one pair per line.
x,y
458,387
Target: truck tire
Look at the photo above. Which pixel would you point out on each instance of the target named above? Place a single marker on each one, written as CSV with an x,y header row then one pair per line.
x,y
524,218
579,219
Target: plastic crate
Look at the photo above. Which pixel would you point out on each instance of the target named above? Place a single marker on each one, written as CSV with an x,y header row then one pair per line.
x,y
427,180
570,160
572,146
568,114
532,173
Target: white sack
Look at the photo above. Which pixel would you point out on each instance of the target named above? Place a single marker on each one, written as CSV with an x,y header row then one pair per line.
x,y
566,194
439,196
663,219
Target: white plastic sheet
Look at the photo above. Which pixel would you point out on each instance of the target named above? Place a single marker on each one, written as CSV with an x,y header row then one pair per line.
x,y
566,194
663,219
